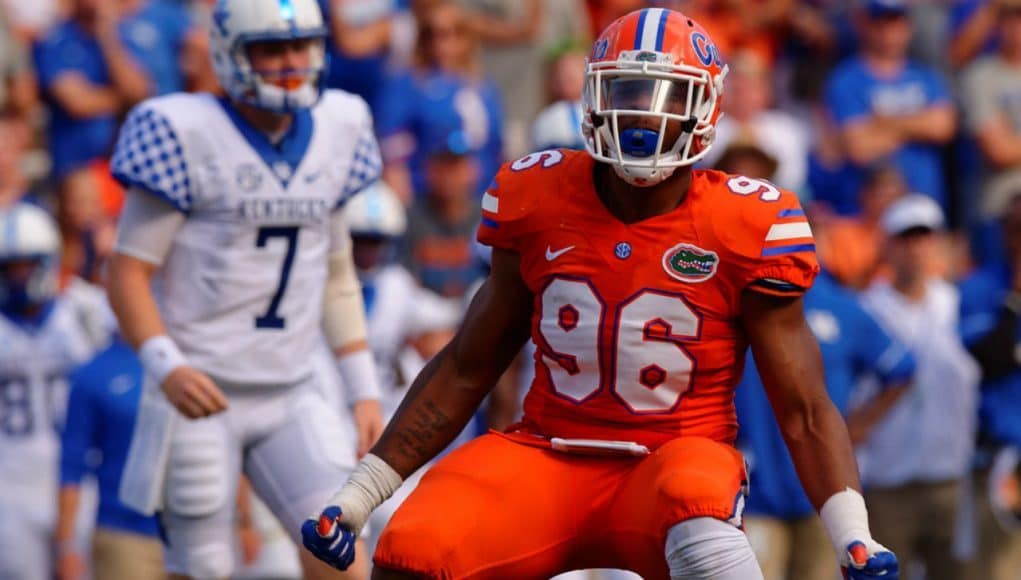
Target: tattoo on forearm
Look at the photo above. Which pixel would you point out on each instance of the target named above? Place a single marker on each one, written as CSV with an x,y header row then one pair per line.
x,y
418,440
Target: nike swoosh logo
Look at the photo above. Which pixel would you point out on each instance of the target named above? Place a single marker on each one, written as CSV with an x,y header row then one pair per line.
x,y
312,176
551,255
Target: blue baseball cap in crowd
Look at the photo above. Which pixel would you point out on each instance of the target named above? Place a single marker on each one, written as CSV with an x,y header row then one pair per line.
x,y
886,8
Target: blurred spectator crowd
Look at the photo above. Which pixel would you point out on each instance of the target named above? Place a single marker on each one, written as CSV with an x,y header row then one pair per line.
x,y
897,123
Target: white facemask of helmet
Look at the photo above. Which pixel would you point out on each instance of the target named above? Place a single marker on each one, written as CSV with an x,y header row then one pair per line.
x,y
649,71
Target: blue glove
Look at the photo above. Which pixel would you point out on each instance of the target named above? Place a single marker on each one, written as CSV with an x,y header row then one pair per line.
x,y
328,539
865,564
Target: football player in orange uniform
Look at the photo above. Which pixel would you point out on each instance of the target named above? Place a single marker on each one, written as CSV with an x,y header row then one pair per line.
x,y
642,282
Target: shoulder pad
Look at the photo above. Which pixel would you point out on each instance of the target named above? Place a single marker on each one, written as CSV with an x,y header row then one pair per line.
x,y
149,154
349,118
765,232
517,192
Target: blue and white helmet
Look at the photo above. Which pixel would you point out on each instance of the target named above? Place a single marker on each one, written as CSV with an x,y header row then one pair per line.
x,y
559,126
376,212
28,234
238,23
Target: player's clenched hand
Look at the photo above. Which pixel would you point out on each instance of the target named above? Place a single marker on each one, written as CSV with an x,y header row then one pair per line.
x,y
329,539
368,418
870,561
193,393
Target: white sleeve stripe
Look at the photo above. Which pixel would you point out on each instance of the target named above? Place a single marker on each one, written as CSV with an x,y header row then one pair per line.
x,y
791,231
650,31
490,203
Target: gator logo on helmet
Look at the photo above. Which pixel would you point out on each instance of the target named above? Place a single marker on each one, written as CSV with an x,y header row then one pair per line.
x,y
689,263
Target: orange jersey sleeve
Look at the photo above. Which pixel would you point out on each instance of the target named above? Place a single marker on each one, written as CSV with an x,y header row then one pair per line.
x,y
512,198
767,236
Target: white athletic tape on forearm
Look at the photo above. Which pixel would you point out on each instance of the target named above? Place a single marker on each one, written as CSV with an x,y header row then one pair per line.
x,y
358,373
846,520
372,483
160,356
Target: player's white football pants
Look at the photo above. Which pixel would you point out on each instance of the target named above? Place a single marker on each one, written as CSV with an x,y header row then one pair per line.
x,y
290,443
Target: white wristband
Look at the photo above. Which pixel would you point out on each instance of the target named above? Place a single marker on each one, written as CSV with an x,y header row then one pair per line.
x,y
371,483
160,356
846,520
358,373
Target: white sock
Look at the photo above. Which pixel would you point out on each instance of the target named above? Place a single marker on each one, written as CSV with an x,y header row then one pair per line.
x,y
710,549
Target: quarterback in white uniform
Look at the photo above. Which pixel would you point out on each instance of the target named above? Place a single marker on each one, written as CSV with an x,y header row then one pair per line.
x,y
43,337
232,261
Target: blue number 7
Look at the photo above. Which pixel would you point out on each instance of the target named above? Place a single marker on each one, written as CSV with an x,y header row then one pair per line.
x,y
289,233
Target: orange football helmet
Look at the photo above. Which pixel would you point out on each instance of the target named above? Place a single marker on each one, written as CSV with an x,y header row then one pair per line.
x,y
651,75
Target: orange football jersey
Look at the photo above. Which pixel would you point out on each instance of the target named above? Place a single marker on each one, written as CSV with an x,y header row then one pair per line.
x,y
636,326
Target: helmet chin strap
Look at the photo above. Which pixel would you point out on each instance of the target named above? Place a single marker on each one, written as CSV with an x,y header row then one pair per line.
x,y
643,176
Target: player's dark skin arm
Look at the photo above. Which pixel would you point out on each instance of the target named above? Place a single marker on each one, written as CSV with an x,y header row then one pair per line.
x,y
446,393
787,356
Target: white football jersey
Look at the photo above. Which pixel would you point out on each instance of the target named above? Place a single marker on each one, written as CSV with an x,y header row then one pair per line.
x,y
398,309
34,366
241,291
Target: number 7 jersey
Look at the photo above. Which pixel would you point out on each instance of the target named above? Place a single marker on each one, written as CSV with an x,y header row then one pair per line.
x,y
241,290
637,326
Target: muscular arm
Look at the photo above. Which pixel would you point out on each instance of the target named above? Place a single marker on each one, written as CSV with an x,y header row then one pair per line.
x,y
446,393
787,356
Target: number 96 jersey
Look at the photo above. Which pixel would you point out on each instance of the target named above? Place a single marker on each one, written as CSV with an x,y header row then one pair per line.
x,y
637,325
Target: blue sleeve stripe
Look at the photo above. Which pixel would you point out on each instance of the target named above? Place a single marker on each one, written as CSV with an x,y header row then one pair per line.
x,y
641,27
782,250
490,223
131,183
661,30
789,213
